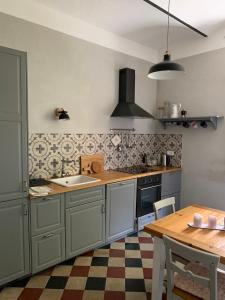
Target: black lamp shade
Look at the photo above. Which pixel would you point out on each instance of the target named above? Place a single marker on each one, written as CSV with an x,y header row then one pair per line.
x,y
63,115
165,70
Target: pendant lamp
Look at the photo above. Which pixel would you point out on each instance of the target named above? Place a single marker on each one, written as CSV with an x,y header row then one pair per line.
x,y
166,69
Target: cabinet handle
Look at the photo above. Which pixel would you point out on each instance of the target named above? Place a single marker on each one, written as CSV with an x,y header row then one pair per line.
x,y
48,198
47,235
103,208
25,186
25,209
150,187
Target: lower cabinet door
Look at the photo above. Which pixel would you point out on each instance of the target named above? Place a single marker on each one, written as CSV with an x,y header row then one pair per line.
x,y
85,227
48,249
121,207
14,247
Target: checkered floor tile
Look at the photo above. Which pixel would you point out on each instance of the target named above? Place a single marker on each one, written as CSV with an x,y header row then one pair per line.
x,y
121,270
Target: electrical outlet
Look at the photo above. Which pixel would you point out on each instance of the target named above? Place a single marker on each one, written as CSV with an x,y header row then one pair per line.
x,y
169,152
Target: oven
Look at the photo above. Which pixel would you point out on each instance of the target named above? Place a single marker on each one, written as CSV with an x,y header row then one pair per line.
x,y
148,192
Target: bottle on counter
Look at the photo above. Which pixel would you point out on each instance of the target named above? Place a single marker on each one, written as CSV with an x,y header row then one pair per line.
x,y
164,160
144,158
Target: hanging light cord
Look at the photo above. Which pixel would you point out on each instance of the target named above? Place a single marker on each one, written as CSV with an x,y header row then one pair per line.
x,y
168,28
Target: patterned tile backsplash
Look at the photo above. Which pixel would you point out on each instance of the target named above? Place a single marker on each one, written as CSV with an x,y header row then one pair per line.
x,y
46,151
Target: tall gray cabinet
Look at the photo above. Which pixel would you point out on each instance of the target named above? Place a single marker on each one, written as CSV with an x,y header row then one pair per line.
x,y
171,187
14,254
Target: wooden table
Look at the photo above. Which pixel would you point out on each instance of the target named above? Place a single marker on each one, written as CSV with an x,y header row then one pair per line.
x,y
175,226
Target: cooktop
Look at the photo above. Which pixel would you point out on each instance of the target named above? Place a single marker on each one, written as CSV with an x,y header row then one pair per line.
x,y
137,169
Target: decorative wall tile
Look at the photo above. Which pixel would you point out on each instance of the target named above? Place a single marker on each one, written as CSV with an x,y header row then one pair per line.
x,y
46,151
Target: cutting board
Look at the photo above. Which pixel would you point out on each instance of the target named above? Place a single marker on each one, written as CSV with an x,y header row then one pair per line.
x,y
92,164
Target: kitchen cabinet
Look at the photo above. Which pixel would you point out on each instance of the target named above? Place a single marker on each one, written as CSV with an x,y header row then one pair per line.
x,y
14,250
120,209
85,220
13,125
85,227
48,249
47,231
85,196
171,187
47,214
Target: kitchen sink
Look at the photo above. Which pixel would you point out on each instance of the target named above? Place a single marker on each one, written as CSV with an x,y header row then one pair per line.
x,y
74,180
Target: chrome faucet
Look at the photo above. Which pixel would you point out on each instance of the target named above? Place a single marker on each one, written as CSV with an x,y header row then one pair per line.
x,y
65,161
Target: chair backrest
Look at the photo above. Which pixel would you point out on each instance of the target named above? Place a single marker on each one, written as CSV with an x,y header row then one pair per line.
x,y
193,255
163,203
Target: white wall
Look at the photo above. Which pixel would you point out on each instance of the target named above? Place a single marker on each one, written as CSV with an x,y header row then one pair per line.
x,y
201,92
81,77
36,12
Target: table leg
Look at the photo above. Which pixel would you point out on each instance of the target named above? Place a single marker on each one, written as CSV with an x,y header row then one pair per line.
x,y
158,268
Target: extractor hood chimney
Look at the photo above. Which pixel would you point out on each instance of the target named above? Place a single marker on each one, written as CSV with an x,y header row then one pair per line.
x,y
126,107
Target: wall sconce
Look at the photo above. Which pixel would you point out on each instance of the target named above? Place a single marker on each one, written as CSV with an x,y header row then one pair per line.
x,y
61,114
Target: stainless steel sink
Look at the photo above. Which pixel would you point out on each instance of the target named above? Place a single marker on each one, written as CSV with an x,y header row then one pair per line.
x,y
74,180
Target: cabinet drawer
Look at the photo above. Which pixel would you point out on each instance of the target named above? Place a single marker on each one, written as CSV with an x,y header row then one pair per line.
x,y
47,214
171,183
48,249
85,196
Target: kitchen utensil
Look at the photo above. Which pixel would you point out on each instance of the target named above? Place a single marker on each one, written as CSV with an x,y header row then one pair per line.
x,y
186,125
183,113
96,167
161,112
203,124
168,160
87,162
175,110
166,109
164,160
194,124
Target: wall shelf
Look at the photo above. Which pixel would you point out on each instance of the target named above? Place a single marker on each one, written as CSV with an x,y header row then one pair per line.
x,y
187,121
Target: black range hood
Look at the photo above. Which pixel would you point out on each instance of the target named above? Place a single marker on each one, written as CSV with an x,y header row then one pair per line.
x,y
126,107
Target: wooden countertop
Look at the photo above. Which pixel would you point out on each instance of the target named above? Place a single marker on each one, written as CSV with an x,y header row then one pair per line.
x,y
105,178
176,226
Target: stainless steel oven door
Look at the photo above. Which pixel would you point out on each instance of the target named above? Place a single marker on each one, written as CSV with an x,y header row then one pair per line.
x,y
146,196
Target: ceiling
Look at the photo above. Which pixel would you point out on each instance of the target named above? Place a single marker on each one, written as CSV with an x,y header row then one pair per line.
x,y
138,21
132,27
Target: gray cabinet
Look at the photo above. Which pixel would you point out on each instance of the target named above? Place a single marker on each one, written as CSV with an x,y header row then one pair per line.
x,y
13,125
85,196
120,209
47,214
48,249
14,250
171,187
85,227
48,232
171,183
85,220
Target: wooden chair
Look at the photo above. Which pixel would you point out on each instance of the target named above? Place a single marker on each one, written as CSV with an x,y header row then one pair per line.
x,y
196,280
162,204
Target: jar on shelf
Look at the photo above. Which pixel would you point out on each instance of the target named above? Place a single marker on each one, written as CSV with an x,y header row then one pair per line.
x,y
160,112
166,109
